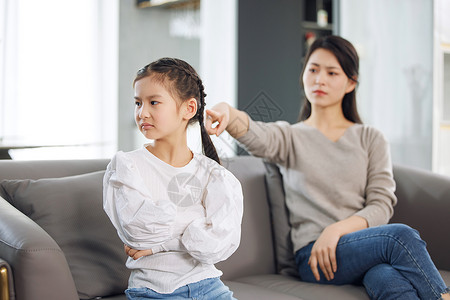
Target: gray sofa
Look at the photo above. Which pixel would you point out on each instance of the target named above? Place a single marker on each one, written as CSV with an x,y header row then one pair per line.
x,y
56,243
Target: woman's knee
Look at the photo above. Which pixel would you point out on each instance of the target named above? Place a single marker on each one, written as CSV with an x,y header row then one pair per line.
x,y
404,232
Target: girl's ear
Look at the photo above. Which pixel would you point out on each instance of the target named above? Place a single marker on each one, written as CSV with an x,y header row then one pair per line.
x,y
190,108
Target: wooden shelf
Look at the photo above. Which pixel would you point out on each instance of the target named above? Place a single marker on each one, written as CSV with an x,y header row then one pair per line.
x,y
314,26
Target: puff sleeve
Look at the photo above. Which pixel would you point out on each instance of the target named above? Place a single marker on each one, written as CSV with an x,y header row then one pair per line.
x,y
216,236
141,221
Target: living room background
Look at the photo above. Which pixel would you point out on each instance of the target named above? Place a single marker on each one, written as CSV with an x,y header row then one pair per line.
x,y
67,68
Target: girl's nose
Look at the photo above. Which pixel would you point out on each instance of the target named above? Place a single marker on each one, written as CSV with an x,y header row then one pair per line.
x,y
143,112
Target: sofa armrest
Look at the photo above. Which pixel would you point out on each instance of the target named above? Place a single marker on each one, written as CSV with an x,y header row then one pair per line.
x,y
6,284
39,267
424,204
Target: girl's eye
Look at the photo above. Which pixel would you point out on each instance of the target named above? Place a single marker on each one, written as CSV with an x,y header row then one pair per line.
x,y
154,102
332,73
137,103
312,70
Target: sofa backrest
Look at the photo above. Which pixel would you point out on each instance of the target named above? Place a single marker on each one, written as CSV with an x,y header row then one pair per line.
x,y
11,169
255,254
65,203
424,204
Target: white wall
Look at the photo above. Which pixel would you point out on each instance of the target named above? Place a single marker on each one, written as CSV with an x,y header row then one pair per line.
x,y
218,60
395,43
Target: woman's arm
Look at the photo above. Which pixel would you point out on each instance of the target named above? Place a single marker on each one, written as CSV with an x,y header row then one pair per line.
x,y
272,141
380,187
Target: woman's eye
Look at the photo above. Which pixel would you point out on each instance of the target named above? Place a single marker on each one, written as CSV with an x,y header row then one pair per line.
x,y
137,103
312,70
154,102
332,73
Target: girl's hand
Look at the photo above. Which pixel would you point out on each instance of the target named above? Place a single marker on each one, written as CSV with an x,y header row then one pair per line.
x,y
135,254
323,253
221,114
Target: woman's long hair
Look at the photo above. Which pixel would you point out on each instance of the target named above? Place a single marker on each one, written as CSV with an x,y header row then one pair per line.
x,y
349,61
181,78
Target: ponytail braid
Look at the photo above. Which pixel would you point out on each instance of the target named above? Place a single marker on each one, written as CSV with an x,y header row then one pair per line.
x,y
208,147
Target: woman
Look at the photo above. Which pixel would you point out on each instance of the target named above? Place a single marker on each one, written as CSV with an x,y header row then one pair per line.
x,y
339,184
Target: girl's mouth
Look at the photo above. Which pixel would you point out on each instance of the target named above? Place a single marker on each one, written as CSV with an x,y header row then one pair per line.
x,y
147,126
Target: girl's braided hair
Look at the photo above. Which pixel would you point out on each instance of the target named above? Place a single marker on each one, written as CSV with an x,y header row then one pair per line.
x,y
184,81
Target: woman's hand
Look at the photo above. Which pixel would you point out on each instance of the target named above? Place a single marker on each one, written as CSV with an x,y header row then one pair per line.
x,y
219,113
234,121
135,254
323,254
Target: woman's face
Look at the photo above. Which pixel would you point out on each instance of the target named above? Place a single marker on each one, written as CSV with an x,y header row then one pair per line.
x,y
157,114
324,81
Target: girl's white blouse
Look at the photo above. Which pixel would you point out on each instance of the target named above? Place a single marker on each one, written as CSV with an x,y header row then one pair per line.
x,y
196,209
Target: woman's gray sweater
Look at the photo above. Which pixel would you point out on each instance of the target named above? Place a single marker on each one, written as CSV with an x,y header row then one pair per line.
x,y
327,181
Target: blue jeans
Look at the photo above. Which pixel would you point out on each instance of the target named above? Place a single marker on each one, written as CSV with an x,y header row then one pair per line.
x,y
211,288
391,261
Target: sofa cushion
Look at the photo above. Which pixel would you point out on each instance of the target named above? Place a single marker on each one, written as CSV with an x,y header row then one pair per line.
x,y
70,210
305,290
250,291
446,276
281,227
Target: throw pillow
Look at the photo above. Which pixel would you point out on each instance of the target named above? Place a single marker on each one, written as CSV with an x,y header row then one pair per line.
x,y
70,210
284,253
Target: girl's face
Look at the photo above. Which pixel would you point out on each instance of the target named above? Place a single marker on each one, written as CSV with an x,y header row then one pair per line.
x,y
158,115
324,80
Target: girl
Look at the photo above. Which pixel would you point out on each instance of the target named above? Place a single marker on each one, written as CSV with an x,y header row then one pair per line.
x,y
177,212
339,185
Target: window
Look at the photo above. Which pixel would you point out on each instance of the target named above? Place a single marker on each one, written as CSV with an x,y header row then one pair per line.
x,y
58,84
